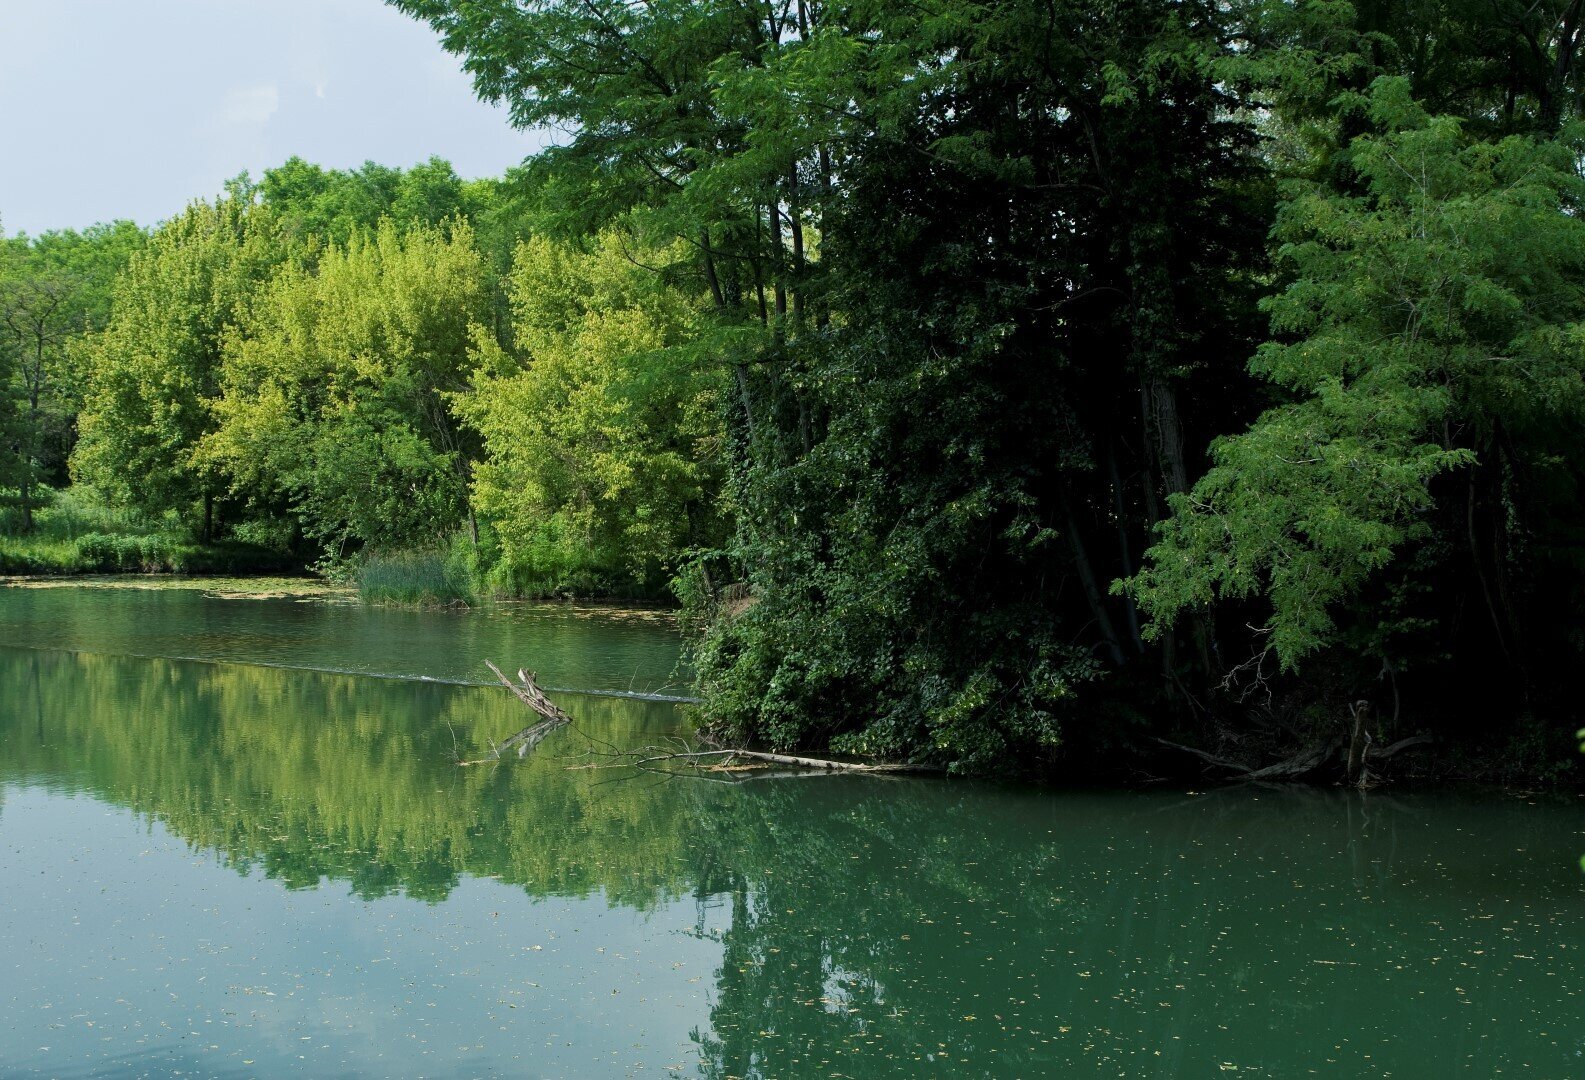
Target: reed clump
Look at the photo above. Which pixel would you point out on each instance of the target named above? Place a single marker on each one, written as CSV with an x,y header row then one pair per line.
x,y
425,578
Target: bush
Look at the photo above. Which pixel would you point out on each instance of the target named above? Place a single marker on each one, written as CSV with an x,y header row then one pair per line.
x,y
138,554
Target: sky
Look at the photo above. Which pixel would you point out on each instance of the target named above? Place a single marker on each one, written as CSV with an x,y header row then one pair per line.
x,y
132,108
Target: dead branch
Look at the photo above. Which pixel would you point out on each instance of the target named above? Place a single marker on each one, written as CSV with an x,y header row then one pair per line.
x,y
1352,755
1303,763
648,756
528,692
1411,743
1205,756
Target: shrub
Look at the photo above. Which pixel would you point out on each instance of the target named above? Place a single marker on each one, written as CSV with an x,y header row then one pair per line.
x,y
421,578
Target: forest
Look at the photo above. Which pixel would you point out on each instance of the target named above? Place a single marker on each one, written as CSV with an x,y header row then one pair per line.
x,y
1045,388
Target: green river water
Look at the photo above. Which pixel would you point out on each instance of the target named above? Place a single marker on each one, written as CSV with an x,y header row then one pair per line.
x,y
227,850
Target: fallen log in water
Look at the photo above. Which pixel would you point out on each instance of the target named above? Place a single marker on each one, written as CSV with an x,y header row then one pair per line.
x,y
528,692
654,755
1343,758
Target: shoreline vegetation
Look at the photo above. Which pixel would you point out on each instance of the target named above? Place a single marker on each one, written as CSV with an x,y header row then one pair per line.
x,y
1418,762
1012,388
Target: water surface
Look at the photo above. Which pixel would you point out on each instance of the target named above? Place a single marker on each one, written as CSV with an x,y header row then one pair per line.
x,y
569,647
232,869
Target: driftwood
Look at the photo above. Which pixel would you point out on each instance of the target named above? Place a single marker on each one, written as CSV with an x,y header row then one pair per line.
x,y
528,692
1204,755
1348,757
1309,760
1411,743
654,755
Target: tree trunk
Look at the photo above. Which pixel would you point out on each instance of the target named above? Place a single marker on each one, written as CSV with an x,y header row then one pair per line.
x,y
1160,403
710,276
1556,85
1091,591
1358,744
773,218
795,221
1122,544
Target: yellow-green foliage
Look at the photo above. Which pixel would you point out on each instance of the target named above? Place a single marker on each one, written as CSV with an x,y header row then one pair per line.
x,y
599,443
308,777
152,372
331,386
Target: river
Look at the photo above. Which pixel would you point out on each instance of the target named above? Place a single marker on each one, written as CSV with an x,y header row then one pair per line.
x,y
235,841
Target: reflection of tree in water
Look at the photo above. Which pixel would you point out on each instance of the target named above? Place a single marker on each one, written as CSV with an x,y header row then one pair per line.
x,y
877,927
880,929
307,777
867,936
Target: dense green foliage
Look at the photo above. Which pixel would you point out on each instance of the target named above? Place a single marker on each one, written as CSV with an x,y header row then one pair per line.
x,y
600,447
1432,324
331,388
991,381
317,365
987,277
53,290
155,370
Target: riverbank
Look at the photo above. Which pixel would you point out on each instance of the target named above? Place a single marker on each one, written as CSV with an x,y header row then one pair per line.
x,y
1525,752
222,586
101,553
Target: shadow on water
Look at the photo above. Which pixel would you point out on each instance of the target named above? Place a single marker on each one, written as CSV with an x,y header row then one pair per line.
x,y
872,927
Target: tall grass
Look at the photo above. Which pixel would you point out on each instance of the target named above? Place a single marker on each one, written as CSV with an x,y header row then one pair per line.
x,y
68,515
74,535
414,578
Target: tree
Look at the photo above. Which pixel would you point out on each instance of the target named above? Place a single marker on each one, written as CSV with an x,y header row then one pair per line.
x,y
154,371
979,243
53,290
324,207
600,446
332,388
1434,369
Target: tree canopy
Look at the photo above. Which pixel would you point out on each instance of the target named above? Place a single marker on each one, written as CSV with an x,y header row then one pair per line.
x,y
993,382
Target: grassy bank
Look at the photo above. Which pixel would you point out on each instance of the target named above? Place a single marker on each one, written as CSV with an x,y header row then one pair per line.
x,y
456,571
75,536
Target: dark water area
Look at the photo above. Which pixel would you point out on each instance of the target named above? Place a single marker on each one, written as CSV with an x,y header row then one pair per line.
x,y
230,869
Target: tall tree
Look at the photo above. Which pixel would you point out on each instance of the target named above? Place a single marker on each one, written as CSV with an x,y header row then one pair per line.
x,y
54,289
601,443
993,250
331,392
1433,361
154,372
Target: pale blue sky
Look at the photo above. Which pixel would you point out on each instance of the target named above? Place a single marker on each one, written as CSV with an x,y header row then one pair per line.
x,y
130,108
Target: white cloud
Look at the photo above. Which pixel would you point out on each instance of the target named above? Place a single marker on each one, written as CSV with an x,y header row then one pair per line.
x,y
249,106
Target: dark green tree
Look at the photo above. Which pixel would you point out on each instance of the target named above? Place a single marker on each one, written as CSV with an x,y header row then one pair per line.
x,y
54,290
995,249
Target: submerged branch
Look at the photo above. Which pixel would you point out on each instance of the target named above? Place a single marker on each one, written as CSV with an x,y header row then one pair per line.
x,y
528,692
1324,759
646,757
